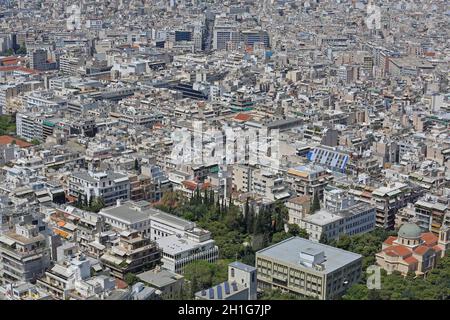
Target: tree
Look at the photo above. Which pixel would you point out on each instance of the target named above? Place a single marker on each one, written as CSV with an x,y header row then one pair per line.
x,y
316,203
22,50
9,52
303,234
294,229
137,166
276,294
79,202
97,205
211,197
205,196
280,216
280,236
323,238
131,278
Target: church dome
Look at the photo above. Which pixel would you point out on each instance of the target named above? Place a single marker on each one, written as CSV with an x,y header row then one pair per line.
x,y
410,231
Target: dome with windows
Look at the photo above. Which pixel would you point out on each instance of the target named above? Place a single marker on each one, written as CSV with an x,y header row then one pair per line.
x,y
410,231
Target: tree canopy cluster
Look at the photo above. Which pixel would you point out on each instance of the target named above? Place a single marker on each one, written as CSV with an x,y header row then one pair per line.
x,y
238,233
93,205
435,286
366,244
7,125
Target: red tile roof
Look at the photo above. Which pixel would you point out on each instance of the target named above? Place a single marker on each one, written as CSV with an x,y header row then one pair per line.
x,y
242,117
410,260
397,251
13,68
437,248
8,139
421,250
120,284
390,240
188,184
429,238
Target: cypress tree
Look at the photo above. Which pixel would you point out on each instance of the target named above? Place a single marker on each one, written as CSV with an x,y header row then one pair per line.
x,y
211,197
205,196
246,214
316,203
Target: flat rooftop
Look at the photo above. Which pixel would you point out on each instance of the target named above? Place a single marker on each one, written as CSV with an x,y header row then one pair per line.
x,y
174,244
125,213
288,252
160,278
322,217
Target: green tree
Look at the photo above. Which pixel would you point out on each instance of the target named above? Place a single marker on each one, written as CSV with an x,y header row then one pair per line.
x,y
276,294
323,238
137,166
22,50
316,203
131,278
303,234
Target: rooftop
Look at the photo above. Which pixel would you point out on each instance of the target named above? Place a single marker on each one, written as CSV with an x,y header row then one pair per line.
x,y
159,278
288,251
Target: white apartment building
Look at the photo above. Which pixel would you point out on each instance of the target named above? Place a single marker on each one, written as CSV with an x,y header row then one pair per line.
x,y
110,186
179,251
355,219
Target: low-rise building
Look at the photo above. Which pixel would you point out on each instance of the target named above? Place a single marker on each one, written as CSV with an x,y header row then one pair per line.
x,y
241,285
307,268
170,284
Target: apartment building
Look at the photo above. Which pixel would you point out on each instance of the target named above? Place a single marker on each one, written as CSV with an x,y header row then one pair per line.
x,y
110,186
24,254
259,181
356,218
133,253
298,208
179,251
307,268
429,212
308,180
62,277
387,200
